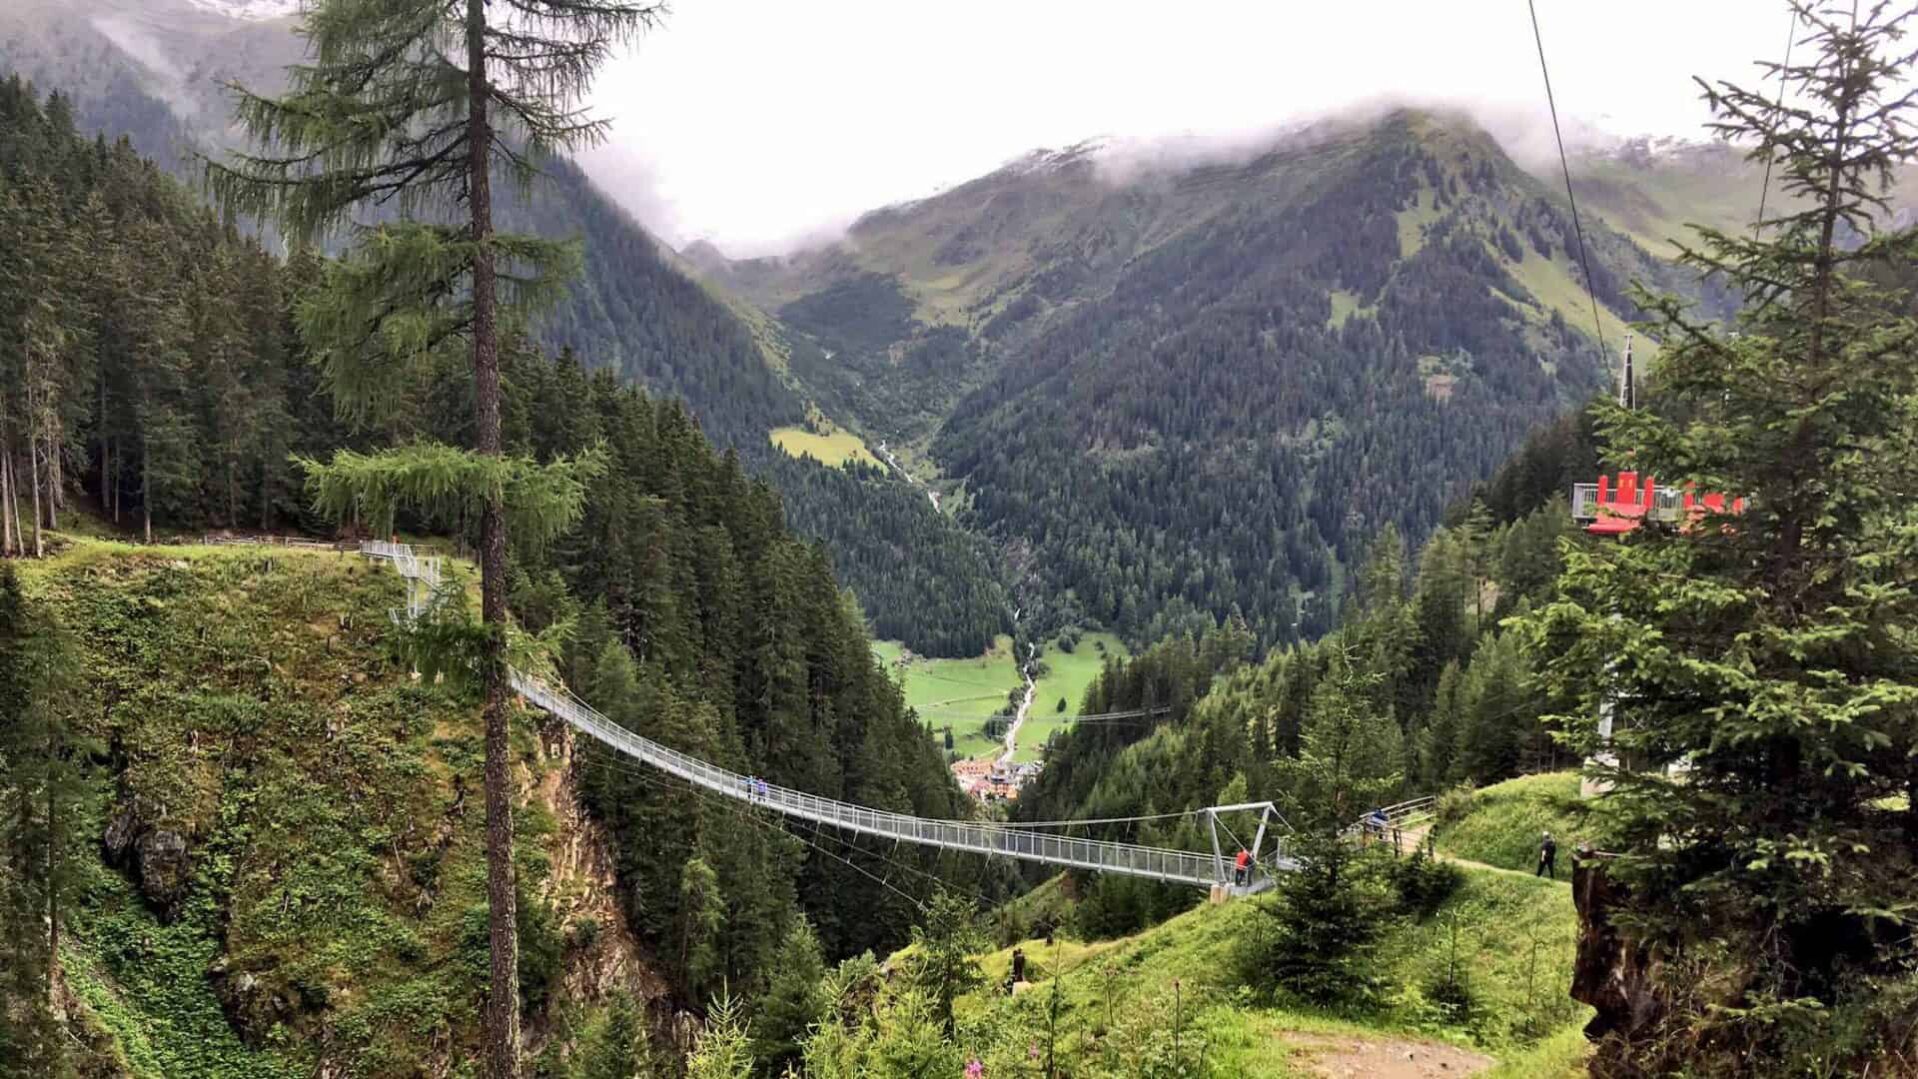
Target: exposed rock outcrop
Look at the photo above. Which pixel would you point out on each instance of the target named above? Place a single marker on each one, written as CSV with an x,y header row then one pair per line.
x,y
155,857
1612,972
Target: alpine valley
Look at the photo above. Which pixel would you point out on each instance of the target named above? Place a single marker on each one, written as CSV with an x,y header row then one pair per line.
x,y
1278,346
1156,608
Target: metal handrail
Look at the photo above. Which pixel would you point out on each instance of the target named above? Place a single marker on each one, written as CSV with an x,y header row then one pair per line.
x,y
1131,859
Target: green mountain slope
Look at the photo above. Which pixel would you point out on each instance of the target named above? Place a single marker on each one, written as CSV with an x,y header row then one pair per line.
x,y
1171,389
1655,190
1171,1000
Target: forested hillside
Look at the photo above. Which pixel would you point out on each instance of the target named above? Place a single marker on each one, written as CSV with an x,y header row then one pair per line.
x,y
153,74
150,374
1420,682
1174,389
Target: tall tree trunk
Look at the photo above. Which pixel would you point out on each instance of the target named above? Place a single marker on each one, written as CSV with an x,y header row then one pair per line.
x,y
53,863
56,483
6,489
146,489
33,463
106,458
502,1004
13,502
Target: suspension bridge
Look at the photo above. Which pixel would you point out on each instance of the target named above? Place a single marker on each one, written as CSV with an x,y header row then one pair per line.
x,y
1211,869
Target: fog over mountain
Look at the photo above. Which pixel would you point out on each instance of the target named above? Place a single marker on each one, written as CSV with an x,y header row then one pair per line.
x,y
752,143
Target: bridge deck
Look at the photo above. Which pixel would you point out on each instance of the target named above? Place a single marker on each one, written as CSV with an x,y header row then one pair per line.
x,y
1156,863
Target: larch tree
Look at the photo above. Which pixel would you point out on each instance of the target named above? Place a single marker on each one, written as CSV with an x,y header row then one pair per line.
x,y
1761,665
407,109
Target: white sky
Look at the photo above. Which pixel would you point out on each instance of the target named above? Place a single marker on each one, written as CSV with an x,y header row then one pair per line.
x,y
760,123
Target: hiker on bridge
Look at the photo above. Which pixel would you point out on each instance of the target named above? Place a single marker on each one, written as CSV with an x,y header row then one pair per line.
x,y
1242,867
1547,857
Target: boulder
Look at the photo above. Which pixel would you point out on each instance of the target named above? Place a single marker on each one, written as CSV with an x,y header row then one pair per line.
x,y
156,858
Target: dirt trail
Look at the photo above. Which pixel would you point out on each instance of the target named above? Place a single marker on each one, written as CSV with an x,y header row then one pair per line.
x,y
1413,837
1348,1056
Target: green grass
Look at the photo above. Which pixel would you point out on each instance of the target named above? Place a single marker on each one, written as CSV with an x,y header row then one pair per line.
x,y
1561,1056
1515,941
961,693
1553,287
1412,221
1500,824
1067,676
966,692
834,448
1344,305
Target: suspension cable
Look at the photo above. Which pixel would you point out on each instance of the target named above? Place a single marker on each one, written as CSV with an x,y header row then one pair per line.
x,y
1565,167
733,806
1764,189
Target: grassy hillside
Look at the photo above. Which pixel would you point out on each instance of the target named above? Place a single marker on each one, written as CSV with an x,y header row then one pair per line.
x,y
293,877
960,693
1501,824
832,447
1066,678
1116,1011
964,693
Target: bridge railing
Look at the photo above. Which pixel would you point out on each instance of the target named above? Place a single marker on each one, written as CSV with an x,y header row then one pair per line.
x,y
976,837
1184,867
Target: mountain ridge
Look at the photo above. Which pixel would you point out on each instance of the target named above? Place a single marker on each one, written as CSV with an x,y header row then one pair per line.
x,y
1344,328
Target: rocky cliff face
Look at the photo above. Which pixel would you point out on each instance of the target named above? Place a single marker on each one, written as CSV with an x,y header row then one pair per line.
x,y
604,957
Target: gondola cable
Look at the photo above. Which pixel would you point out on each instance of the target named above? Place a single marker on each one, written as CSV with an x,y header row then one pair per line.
x,y
1578,230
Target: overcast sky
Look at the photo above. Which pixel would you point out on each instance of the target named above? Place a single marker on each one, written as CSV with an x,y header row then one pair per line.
x,y
761,123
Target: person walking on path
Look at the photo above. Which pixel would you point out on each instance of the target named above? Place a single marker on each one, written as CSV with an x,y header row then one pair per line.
x,y
1547,857
1241,866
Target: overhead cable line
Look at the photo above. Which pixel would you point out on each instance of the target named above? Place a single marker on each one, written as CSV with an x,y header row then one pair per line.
x,y
733,806
1565,167
1764,190
616,765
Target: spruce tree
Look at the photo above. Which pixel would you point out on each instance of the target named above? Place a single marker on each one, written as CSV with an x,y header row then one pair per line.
x,y
792,1002
413,106
942,966
1760,665
1329,915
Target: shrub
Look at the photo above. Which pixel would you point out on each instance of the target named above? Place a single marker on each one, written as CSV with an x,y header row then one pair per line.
x,y
1454,804
1449,988
1424,883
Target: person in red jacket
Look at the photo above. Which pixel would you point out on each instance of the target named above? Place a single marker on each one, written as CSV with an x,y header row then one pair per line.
x,y
1241,867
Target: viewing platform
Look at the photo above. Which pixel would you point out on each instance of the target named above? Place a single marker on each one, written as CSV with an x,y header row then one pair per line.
x,y
1616,506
